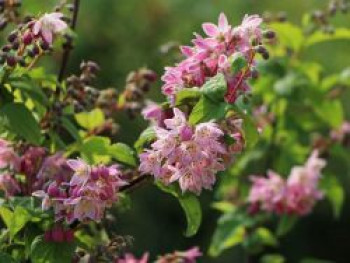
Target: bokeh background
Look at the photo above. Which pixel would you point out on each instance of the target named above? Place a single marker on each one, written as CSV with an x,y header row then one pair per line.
x,y
123,35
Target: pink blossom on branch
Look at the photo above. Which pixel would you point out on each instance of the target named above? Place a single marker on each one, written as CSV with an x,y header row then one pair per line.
x,y
49,25
185,154
296,195
213,54
85,195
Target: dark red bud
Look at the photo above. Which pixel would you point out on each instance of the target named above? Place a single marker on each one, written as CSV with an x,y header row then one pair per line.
x,y
48,236
27,38
69,235
57,234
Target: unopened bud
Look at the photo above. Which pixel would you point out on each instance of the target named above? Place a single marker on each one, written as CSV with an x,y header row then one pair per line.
x,y
269,34
27,38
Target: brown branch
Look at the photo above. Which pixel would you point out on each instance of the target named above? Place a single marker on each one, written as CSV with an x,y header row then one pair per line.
x,y
67,51
134,183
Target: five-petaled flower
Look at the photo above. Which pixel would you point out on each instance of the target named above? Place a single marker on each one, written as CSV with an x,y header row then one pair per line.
x,y
49,25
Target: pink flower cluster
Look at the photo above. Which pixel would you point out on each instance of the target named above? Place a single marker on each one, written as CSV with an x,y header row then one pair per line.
x,y
214,54
189,256
297,195
190,155
87,193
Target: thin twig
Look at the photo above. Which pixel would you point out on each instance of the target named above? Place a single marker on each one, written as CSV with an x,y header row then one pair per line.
x,y
136,182
67,51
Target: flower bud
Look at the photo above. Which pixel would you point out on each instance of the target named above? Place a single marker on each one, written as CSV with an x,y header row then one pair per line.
x,y
48,236
27,38
186,133
15,44
35,50
95,174
11,60
269,34
12,36
6,48
44,45
53,190
69,235
57,234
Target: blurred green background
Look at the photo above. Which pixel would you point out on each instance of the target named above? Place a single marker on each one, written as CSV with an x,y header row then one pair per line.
x,y
122,35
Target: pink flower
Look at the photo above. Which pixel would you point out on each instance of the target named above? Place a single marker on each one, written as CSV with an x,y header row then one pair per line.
x,y
217,31
8,157
189,256
338,135
268,192
129,258
46,202
9,185
188,155
49,25
81,172
154,113
178,121
302,185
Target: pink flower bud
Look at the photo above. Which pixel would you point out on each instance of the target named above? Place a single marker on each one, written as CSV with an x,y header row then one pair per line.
x,y
27,38
53,190
48,236
57,234
186,133
69,235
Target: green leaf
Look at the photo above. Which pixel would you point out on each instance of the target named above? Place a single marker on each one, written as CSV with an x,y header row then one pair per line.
x,y
6,258
192,209
285,224
272,258
265,236
30,89
331,111
22,122
215,88
146,137
286,85
190,206
250,130
15,221
123,153
238,62
288,35
96,149
90,120
320,37
186,95
207,110
51,252
70,127
230,232
334,192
